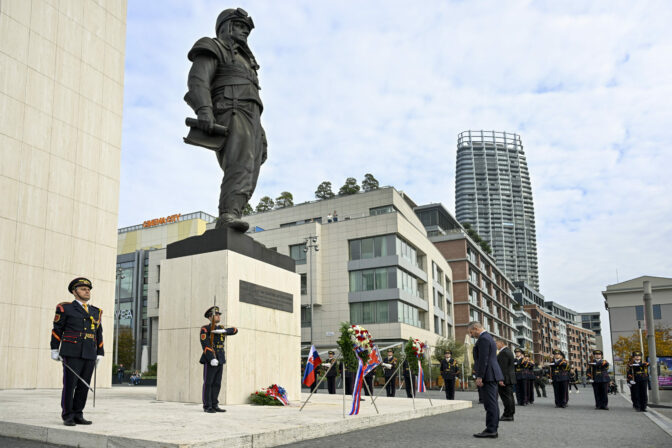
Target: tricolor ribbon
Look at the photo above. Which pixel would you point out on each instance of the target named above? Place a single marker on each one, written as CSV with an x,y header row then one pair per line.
x,y
421,378
357,388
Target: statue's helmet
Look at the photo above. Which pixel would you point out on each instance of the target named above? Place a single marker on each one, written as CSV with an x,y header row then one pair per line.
x,y
233,15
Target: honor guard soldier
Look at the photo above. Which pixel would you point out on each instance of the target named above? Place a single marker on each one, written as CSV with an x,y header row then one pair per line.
x,y
77,342
598,375
638,379
528,369
332,373
559,377
389,368
409,378
521,382
213,358
449,371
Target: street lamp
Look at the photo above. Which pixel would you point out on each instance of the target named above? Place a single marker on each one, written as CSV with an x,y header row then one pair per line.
x,y
120,276
310,245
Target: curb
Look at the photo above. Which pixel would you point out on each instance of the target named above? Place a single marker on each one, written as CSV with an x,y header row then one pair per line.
x,y
659,419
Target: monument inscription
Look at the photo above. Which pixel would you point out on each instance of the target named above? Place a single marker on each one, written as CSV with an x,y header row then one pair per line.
x,y
266,297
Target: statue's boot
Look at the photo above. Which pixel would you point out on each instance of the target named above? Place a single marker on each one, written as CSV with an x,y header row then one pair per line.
x,y
231,220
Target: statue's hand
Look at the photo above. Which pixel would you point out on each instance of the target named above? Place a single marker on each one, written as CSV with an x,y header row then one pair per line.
x,y
206,119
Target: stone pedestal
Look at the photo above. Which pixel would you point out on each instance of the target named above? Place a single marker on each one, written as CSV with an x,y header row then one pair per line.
x,y
257,292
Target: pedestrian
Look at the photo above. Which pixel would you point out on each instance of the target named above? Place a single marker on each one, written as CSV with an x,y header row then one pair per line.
x,y
335,216
488,376
505,360
521,382
330,218
559,378
332,372
528,369
213,358
120,373
598,376
389,367
77,342
449,371
574,379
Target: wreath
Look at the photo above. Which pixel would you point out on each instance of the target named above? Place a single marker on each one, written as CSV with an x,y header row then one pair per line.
x,y
273,395
354,341
415,351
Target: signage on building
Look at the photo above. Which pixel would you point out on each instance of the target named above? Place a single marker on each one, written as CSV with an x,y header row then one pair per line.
x,y
159,221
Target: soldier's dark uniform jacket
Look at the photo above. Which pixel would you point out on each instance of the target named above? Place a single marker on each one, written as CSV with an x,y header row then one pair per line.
x,y
638,371
449,369
519,368
77,332
598,371
393,362
560,370
214,349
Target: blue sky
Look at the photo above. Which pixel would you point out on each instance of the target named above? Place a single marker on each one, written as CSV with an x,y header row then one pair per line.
x,y
385,87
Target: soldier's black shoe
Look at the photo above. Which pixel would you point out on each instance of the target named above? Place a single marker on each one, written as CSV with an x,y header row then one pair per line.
x,y
69,422
209,411
82,421
486,434
506,419
218,409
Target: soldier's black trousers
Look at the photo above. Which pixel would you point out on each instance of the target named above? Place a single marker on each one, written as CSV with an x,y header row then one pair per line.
x,y
450,388
390,389
601,390
521,392
369,382
331,384
73,397
212,383
409,383
640,394
561,392
530,390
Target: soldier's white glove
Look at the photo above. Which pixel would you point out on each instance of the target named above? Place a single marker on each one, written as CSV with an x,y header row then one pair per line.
x,y
219,331
98,358
632,382
214,362
327,365
55,356
550,380
591,381
387,365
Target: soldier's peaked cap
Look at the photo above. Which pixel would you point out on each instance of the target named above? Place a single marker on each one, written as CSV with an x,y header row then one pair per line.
x,y
558,352
79,281
237,14
518,350
211,311
597,352
331,352
637,353
447,351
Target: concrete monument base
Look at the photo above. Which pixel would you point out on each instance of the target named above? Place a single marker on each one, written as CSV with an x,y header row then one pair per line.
x,y
257,292
129,417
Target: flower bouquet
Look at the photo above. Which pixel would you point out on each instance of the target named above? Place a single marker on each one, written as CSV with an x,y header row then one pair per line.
x,y
273,395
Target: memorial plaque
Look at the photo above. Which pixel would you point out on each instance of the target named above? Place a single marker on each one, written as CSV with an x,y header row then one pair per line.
x,y
266,297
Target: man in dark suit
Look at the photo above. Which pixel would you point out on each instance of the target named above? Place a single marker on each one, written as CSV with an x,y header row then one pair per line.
x,y
488,375
505,360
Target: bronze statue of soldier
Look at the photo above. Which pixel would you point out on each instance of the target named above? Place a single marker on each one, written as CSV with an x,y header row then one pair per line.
x,y
224,93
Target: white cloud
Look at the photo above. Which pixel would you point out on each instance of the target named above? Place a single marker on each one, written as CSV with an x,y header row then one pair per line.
x,y
385,87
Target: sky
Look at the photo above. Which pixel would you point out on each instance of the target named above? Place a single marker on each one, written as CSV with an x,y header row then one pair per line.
x,y
384,87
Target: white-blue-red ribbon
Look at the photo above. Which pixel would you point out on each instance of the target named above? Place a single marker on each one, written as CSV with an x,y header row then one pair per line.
x,y
421,378
357,388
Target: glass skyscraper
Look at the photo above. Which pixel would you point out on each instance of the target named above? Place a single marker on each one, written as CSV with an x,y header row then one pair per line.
x,y
494,195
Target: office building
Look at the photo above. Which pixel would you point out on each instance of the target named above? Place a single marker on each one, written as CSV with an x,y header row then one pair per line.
x,y
481,290
525,294
592,321
581,343
61,97
523,323
493,194
567,315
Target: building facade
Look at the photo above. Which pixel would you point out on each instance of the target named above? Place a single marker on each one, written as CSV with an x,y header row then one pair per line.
x,y
61,98
524,335
592,321
140,249
482,292
493,193
581,343
525,294
374,266
545,333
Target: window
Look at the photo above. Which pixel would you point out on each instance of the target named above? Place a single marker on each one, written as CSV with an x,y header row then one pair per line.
x,y
408,252
409,283
375,247
158,273
298,253
639,312
381,210
410,315
370,312
304,284
305,317
370,279
657,315
158,296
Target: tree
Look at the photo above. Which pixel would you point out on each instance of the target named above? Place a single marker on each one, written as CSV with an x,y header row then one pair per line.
x,y
624,346
248,210
265,204
350,187
324,191
369,183
477,238
284,200
126,355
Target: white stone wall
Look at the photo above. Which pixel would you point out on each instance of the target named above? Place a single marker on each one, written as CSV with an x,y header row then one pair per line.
x,y
61,97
